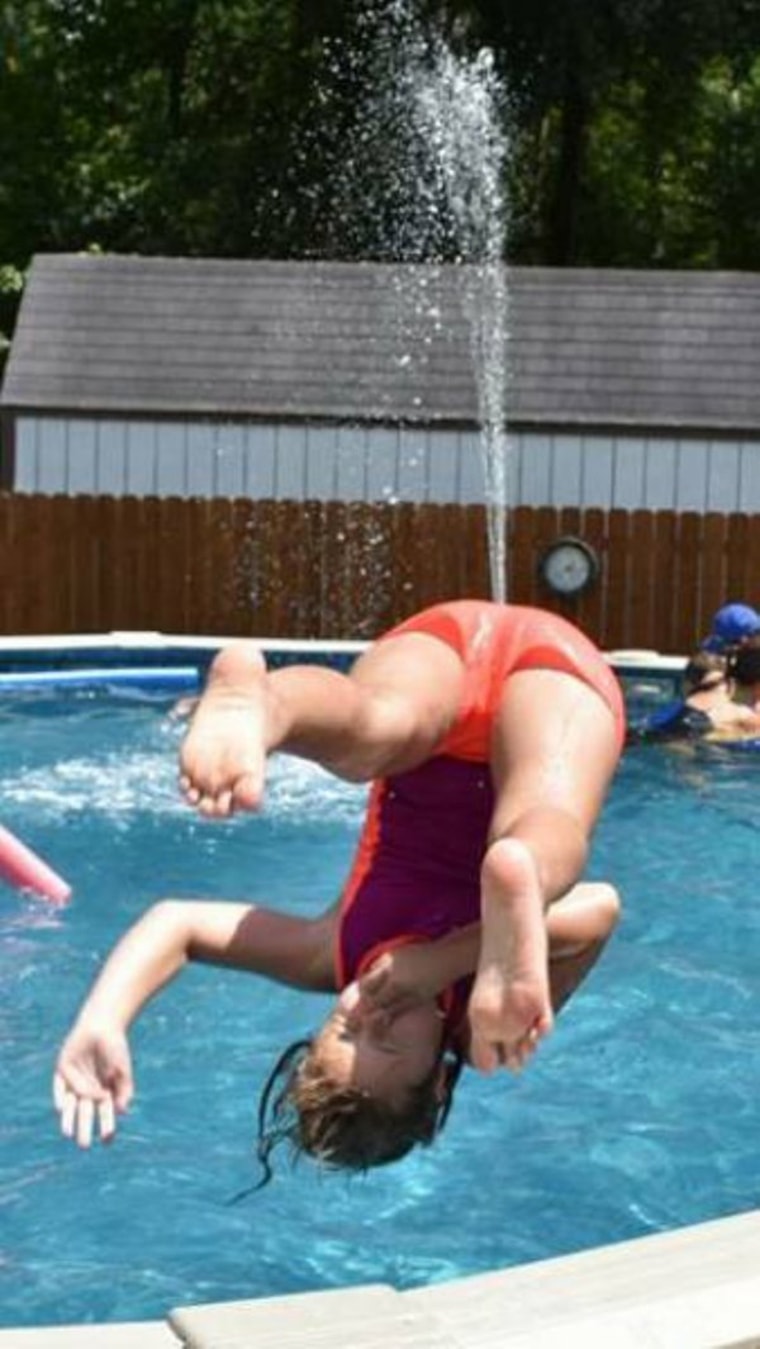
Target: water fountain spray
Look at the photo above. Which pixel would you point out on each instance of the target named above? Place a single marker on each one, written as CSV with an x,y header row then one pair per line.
x,y
422,181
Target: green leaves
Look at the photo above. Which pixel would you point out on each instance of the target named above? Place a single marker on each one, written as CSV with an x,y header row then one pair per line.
x,y
222,127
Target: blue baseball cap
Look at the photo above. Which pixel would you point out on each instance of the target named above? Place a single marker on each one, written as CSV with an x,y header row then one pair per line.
x,y
732,624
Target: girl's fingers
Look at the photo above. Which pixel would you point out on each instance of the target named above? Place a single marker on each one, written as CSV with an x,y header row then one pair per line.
x,y
484,1055
123,1091
85,1121
106,1119
488,1055
377,975
59,1092
374,988
79,1114
68,1114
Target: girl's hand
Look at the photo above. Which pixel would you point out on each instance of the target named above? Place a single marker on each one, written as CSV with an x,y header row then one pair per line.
x,y
397,981
411,975
92,1081
508,1016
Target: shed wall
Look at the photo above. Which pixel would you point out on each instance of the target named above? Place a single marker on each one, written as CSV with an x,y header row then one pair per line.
x,y
114,457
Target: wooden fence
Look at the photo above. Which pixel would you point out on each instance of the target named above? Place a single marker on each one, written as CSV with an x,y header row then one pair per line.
x,y
326,570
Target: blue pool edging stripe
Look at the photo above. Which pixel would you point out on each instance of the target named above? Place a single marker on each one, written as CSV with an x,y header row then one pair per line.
x,y
176,678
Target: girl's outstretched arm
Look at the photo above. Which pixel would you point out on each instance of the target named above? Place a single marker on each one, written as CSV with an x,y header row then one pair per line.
x,y
93,1079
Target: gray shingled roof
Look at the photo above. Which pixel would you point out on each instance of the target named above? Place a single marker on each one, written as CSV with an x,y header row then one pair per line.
x,y
348,341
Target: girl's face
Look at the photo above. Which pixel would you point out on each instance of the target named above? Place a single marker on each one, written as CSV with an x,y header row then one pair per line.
x,y
363,1048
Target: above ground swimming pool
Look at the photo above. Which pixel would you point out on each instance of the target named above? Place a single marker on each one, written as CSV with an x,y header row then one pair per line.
x,y
638,1115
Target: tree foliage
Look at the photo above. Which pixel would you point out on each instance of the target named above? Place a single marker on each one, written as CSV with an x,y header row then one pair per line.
x,y
232,127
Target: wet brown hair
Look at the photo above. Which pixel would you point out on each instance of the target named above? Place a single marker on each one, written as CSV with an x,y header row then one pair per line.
x,y
344,1127
704,670
744,663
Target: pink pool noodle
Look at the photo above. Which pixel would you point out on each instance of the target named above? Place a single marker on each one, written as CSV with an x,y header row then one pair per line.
x,y
20,866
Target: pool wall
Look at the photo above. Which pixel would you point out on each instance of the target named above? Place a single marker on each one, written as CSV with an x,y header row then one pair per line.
x,y
145,657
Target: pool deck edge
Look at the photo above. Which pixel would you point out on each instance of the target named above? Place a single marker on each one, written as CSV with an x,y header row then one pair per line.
x,y
697,1287
45,646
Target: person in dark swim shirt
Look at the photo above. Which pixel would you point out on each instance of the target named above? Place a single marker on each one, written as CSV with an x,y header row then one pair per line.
x,y
704,687
743,669
713,705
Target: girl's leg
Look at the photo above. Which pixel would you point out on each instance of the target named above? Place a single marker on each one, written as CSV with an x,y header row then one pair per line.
x,y
554,752
579,926
386,715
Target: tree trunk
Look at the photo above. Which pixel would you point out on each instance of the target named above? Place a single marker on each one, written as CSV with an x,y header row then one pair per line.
x,y
562,225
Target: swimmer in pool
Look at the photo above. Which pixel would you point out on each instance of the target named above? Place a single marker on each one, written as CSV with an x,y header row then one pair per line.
x,y
490,734
705,704
743,671
724,697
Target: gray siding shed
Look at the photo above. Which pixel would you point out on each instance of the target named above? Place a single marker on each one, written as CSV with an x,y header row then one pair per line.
x,y
356,381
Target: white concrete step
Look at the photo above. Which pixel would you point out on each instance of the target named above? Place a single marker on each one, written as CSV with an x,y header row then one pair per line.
x,y
694,1288
369,1317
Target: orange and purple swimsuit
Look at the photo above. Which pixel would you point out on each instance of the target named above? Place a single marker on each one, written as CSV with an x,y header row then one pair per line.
x,y
416,872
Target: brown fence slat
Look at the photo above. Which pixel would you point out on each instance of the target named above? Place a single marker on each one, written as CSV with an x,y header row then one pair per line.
x,y
449,564
136,612
286,566
264,557
714,578
86,564
640,581
199,566
569,524
367,562
592,603
546,532
740,584
618,631
110,543
664,551
245,579
522,578
475,577
6,555
688,572
752,591
27,578
171,577
401,591
146,562
331,568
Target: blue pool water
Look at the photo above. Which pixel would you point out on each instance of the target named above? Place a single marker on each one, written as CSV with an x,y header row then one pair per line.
x,y
638,1115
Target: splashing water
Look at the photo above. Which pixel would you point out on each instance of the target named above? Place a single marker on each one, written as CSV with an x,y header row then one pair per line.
x,y
421,180
457,105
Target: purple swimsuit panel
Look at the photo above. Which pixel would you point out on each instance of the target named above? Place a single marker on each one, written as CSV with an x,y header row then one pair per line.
x,y
431,826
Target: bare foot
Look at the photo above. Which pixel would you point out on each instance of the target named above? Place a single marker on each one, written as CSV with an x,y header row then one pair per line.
x,y
223,756
510,1006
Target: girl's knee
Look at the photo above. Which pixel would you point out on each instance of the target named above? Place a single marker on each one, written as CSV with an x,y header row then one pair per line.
x,y
586,917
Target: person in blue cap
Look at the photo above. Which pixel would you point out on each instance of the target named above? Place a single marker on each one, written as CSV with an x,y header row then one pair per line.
x,y
705,697
718,699
732,625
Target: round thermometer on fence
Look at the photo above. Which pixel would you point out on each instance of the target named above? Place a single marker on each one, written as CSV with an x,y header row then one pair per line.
x,y
569,566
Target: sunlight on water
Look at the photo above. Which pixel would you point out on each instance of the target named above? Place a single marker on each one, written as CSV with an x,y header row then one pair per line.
x,y
147,780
